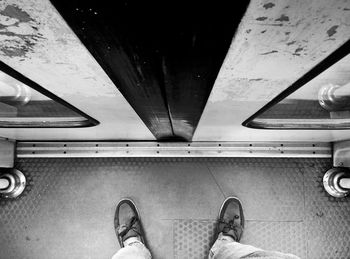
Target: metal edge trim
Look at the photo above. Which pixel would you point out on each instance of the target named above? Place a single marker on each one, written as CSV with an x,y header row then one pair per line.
x,y
173,149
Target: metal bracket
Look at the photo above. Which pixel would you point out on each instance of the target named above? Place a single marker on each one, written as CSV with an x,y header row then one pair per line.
x,y
13,183
7,153
341,154
336,181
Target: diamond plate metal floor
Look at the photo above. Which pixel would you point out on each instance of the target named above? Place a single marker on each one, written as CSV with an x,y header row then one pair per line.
x,y
68,207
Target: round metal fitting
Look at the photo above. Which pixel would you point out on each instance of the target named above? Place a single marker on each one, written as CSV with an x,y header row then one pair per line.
x,y
332,179
334,98
16,183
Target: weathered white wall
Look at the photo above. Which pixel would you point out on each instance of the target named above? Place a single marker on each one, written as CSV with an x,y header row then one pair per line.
x,y
37,42
277,42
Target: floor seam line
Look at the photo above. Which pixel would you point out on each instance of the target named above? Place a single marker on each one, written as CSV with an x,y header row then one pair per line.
x,y
305,232
217,184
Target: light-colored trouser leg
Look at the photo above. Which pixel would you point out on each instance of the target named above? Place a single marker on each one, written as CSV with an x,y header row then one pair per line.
x,y
133,250
226,248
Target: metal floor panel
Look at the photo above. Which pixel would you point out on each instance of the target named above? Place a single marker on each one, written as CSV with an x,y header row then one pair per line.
x,y
68,207
193,238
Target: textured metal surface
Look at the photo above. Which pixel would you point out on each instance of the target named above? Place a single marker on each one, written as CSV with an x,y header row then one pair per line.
x,y
65,213
288,237
296,109
193,238
178,149
269,190
327,218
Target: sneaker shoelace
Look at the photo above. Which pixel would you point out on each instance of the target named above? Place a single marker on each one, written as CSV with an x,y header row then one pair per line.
x,y
132,226
230,228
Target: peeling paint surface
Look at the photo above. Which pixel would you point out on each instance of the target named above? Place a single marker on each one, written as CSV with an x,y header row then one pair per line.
x,y
37,42
268,5
333,30
283,18
286,40
18,32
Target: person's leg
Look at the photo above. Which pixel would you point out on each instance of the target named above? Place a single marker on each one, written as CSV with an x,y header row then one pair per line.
x,y
134,250
227,248
229,232
130,233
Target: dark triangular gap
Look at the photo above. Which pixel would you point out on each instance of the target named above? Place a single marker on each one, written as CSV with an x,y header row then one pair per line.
x,y
120,42
163,57
194,50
